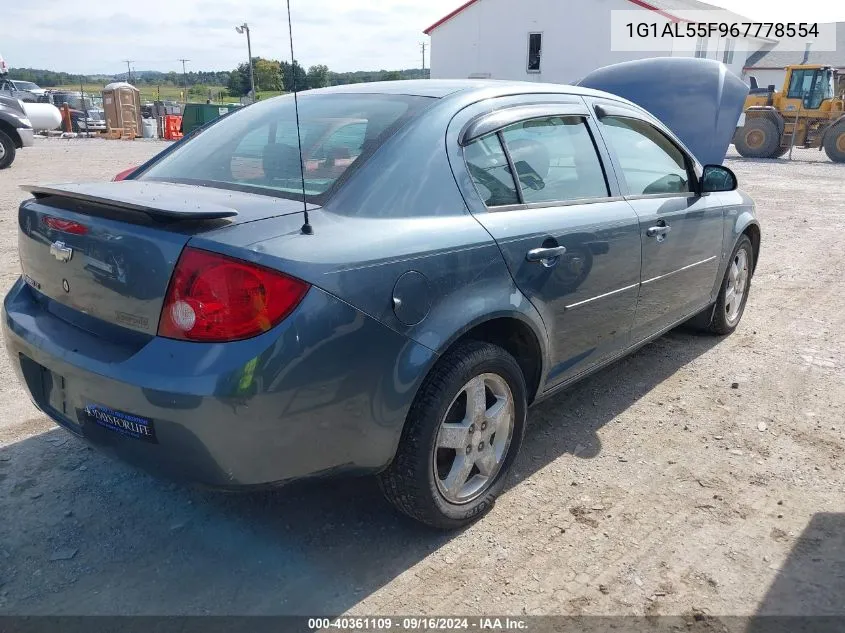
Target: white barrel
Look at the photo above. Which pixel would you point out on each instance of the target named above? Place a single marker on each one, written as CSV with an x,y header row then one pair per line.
x,y
149,128
43,116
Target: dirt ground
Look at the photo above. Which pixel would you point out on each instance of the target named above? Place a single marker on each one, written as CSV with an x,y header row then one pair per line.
x,y
700,474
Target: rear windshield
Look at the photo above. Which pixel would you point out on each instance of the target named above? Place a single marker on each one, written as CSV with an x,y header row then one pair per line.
x,y
255,149
73,101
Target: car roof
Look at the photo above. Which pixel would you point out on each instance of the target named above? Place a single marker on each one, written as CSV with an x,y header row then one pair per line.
x,y
440,88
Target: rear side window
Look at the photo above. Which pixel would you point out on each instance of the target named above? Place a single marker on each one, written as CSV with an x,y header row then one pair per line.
x,y
489,170
555,160
650,162
256,149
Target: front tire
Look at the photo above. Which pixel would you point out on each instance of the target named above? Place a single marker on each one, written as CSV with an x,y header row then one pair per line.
x,y
460,438
733,294
7,150
758,138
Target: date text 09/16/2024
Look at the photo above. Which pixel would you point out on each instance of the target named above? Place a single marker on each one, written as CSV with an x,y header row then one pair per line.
x,y
417,623
693,30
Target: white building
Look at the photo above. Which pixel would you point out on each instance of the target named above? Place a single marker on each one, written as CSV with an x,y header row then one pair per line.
x,y
559,41
769,67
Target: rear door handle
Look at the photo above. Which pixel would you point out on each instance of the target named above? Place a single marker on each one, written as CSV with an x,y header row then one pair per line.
x,y
543,254
658,231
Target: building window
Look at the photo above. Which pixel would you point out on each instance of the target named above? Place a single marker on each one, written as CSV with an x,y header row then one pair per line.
x,y
728,56
535,48
701,48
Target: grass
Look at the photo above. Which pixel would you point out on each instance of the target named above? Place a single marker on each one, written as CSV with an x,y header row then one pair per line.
x,y
167,93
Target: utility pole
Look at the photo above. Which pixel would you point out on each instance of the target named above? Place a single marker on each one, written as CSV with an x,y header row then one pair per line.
x,y
185,78
128,70
422,47
244,28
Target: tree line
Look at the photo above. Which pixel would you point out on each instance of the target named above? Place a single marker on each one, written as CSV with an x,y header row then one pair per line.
x,y
270,75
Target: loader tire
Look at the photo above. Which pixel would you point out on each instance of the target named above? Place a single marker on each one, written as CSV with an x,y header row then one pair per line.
x,y
758,138
834,143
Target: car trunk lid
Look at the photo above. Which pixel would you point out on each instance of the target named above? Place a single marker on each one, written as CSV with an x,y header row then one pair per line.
x,y
108,250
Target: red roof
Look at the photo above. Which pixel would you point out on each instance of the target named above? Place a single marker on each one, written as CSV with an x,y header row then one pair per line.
x,y
446,18
469,3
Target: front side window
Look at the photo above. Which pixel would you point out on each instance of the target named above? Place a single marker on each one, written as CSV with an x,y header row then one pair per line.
x,y
800,83
650,162
535,50
256,149
555,160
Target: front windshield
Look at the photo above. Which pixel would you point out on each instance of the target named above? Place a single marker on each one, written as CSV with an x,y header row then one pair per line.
x,y
256,148
25,85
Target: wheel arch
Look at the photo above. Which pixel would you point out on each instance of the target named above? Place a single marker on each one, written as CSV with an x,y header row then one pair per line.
x,y
748,226
831,125
11,132
752,230
769,112
517,334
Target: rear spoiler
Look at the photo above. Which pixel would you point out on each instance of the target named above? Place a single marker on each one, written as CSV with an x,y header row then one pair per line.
x,y
136,196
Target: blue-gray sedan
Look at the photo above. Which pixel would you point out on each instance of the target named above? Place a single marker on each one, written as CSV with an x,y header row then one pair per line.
x,y
471,248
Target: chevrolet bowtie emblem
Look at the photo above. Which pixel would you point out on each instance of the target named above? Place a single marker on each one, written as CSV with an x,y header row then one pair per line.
x,y
61,252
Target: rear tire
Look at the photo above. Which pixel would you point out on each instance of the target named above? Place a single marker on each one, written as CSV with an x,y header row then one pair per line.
x,y
7,150
758,138
733,293
453,457
834,143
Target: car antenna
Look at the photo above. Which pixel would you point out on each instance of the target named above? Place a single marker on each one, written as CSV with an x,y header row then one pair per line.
x,y
306,227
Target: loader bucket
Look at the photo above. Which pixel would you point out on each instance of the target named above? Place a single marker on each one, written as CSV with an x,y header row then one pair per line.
x,y
700,100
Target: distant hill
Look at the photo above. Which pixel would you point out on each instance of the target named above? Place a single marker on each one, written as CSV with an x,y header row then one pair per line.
x,y
205,79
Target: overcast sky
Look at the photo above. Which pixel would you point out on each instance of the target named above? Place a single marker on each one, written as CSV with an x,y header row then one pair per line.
x,y
88,37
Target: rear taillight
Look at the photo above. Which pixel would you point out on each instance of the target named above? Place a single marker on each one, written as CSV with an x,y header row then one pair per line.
x,y
214,298
65,226
122,175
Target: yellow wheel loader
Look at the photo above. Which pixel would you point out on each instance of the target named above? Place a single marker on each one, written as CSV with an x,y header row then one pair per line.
x,y
808,112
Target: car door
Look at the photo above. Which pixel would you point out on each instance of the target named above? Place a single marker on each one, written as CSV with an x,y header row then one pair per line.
x,y
681,229
570,241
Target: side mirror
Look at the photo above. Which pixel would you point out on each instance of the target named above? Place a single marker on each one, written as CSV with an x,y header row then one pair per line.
x,y
717,178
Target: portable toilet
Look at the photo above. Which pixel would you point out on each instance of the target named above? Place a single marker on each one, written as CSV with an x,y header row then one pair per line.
x,y
122,105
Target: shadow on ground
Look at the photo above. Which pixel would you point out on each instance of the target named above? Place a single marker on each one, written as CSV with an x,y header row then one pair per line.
x,y
82,534
808,594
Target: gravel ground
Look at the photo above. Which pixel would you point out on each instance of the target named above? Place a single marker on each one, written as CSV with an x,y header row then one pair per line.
x,y
699,475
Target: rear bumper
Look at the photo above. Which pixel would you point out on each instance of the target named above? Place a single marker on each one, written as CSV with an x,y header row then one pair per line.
x,y
27,135
325,392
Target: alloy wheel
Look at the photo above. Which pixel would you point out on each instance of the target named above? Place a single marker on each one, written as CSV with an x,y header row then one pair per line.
x,y
737,286
473,439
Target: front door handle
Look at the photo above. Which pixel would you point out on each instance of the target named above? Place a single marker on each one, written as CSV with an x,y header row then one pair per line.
x,y
544,255
658,231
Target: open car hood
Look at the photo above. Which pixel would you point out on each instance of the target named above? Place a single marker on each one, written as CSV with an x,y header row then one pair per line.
x,y
700,100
